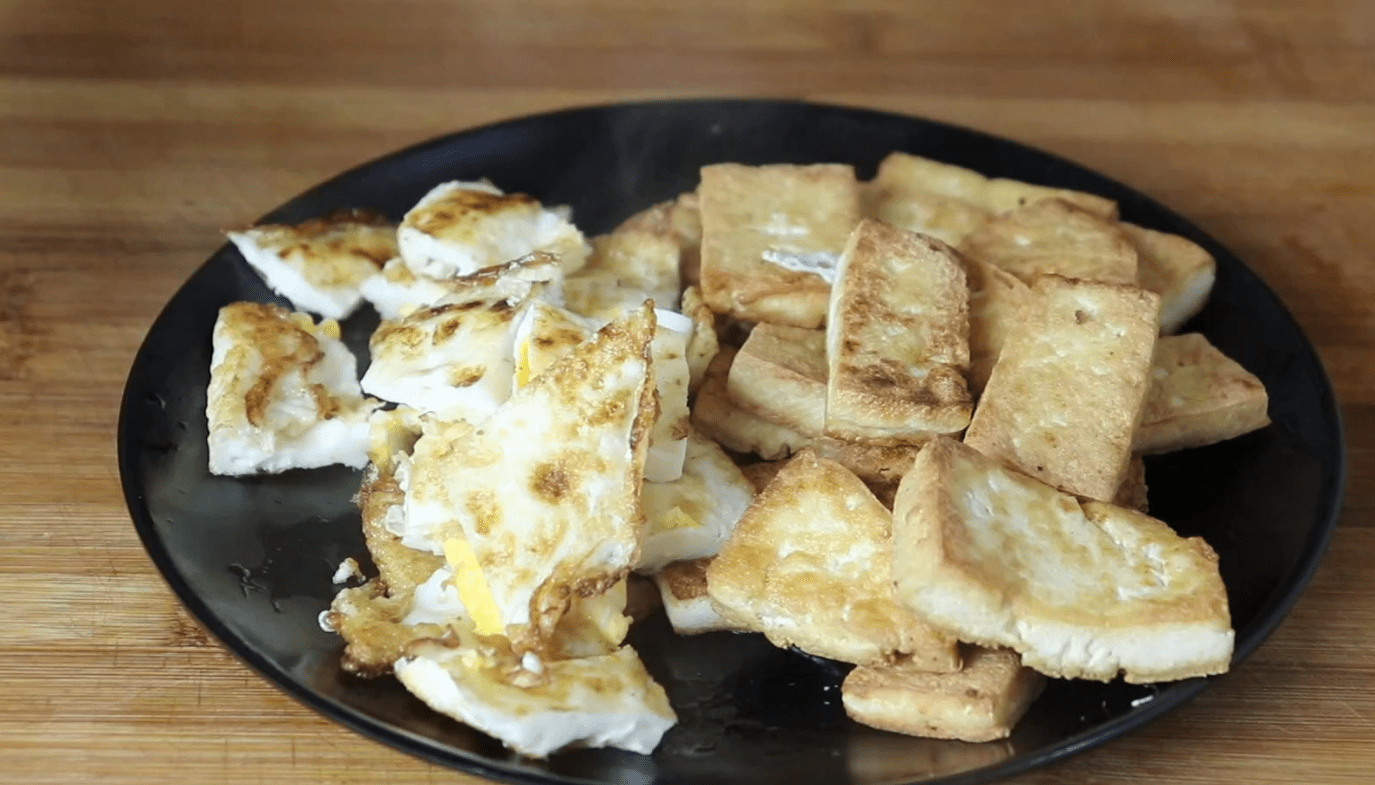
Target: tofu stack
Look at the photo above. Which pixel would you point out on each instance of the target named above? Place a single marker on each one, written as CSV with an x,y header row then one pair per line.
x,y
1022,320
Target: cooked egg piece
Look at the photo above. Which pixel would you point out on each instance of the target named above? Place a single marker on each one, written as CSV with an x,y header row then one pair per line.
x,y
395,290
546,333
320,264
453,361
459,228
668,437
283,394
428,509
690,518
609,700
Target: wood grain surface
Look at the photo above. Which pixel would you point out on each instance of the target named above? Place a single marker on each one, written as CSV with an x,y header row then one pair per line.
x,y
132,130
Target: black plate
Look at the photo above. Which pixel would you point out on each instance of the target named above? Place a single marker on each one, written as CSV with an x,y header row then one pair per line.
x,y
252,559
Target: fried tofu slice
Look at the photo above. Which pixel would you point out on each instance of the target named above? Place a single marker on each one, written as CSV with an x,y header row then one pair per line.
x,y
1067,393
897,339
904,173
720,418
703,343
947,218
683,588
459,228
1080,590
1198,396
1132,493
556,518
320,264
771,237
692,516
283,394
980,702
680,219
539,707
1177,269
995,298
780,374
810,565
1052,236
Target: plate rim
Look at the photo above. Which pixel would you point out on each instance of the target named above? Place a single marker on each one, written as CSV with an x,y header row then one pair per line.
x,y
1272,614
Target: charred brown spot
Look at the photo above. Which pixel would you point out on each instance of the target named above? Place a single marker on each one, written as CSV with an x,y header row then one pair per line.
x,y
552,481
1080,317
446,329
468,376
609,411
483,508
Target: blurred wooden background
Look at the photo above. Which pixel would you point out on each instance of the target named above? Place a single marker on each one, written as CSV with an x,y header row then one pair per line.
x,y
131,131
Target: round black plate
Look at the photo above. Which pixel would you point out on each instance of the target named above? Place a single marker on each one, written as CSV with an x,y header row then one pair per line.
x,y
252,558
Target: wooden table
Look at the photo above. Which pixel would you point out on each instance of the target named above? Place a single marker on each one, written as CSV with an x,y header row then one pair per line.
x,y
131,131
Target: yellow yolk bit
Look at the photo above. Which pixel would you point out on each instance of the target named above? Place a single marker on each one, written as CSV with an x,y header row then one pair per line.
x,y
523,365
472,588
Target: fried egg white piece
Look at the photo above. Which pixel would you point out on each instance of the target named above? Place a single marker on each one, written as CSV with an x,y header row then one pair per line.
x,y
547,333
459,228
283,394
608,700
546,490
453,361
320,265
683,588
395,290
668,437
692,516
427,510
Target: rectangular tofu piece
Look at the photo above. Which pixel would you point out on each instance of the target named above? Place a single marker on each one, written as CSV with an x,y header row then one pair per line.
x,y
809,565
947,218
1083,591
902,173
771,237
995,298
1054,237
459,228
1177,269
539,707
1067,393
721,418
780,374
897,338
683,588
283,394
1198,396
980,702
691,517
320,264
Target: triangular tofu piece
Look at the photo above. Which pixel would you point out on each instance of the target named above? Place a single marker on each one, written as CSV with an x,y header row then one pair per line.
x,y
897,338
1198,396
680,219
1054,237
1177,269
626,268
1080,590
560,516
809,566
980,702
1070,385
683,590
537,708
320,264
771,236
